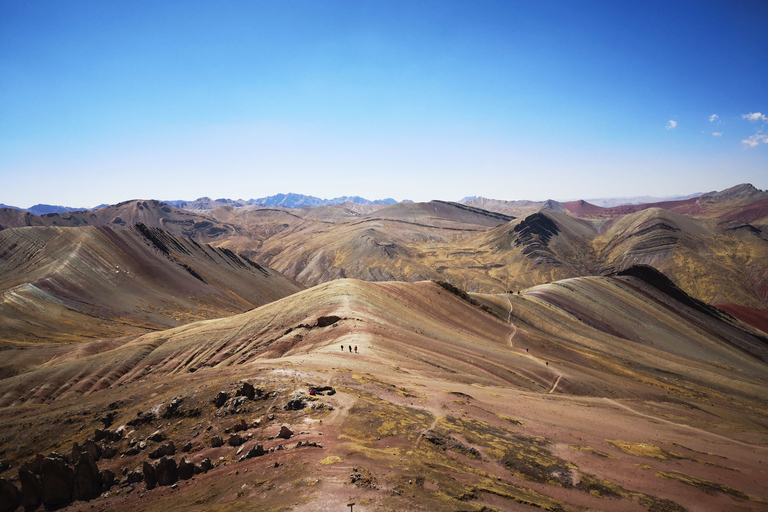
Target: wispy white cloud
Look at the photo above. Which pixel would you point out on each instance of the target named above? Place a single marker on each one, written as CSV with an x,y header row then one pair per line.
x,y
754,116
713,117
717,134
755,140
671,124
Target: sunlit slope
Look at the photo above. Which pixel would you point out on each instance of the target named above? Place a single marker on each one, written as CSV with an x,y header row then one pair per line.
x,y
70,284
588,336
420,325
715,262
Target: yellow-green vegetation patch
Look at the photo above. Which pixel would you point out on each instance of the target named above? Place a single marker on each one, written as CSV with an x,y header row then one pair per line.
x,y
331,459
511,420
590,449
707,486
523,455
602,488
371,417
644,450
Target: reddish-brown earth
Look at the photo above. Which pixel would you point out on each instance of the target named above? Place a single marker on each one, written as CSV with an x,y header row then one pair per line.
x,y
590,394
572,379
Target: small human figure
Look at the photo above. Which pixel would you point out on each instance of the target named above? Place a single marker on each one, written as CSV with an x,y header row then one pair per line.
x,y
342,348
350,349
526,349
547,363
355,349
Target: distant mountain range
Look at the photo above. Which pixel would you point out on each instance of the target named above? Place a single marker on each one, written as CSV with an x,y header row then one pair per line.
x,y
292,200
278,200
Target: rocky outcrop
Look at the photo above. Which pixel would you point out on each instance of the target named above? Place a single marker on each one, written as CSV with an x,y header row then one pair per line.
x,y
163,450
285,433
186,469
236,440
31,489
10,496
58,481
150,475
87,478
220,399
167,472
255,451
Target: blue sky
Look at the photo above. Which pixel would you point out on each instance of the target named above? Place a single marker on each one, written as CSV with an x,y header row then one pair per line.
x,y
107,101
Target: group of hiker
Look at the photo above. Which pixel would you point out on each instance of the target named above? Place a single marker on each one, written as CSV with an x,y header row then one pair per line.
x,y
350,349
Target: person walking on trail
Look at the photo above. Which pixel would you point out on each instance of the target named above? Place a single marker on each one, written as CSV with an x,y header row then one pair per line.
x,y
350,349
355,349
342,348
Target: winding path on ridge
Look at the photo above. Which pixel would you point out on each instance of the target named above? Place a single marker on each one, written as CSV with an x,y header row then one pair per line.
x,y
681,425
512,335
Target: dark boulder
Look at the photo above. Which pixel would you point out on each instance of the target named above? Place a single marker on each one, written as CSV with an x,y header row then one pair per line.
x,y
167,471
57,479
87,479
31,489
93,449
156,436
186,469
239,426
34,465
285,433
163,450
133,477
255,451
107,479
236,440
10,496
247,390
295,405
205,465
150,475
217,441
220,399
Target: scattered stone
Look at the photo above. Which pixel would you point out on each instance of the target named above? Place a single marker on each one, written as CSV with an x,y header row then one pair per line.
x,y
216,441
10,497
172,408
163,450
285,433
136,476
186,469
255,451
150,475
187,447
108,419
271,417
295,405
4,465
246,390
221,398
156,436
256,423
107,451
107,479
206,465
236,440
239,426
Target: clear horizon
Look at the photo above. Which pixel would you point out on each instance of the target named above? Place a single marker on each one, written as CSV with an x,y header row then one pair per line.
x,y
107,102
